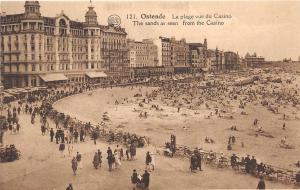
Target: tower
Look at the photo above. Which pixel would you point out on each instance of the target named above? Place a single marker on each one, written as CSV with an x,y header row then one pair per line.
x,y
91,17
32,9
92,32
205,44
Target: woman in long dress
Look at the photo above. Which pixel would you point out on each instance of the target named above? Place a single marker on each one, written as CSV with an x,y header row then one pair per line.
x,y
96,160
117,160
152,160
70,149
74,165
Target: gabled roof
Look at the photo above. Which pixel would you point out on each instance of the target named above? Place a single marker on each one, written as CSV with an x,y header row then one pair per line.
x,y
62,14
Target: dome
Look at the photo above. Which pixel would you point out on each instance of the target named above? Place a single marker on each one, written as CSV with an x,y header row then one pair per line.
x,y
32,3
32,9
91,12
91,17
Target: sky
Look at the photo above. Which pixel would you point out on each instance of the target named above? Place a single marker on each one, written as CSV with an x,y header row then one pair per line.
x,y
269,28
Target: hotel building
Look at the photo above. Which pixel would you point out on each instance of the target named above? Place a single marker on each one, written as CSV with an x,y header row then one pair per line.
x,y
38,50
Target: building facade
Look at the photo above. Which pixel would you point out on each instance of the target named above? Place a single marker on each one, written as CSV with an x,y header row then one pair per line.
x,y
174,53
254,60
36,50
216,60
231,60
142,54
198,54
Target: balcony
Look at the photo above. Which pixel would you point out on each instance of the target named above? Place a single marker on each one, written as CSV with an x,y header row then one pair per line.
x,y
11,52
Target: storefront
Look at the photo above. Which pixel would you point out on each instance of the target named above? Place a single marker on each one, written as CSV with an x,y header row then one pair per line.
x,y
97,77
53,79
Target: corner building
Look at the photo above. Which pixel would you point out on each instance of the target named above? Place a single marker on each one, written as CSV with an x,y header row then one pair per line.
x,y
38,50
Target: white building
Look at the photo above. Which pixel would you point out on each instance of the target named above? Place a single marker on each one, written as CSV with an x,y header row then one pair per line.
x,y
142,53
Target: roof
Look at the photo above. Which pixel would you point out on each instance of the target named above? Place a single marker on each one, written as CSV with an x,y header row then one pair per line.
x,y
53,77
48,21
91,12
10,19
76,24
96,74
195,45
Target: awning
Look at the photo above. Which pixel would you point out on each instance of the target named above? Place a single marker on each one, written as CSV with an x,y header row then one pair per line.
x,y
53,77
96,74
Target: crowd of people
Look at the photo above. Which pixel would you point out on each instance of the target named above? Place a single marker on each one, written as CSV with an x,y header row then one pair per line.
x,y
69,131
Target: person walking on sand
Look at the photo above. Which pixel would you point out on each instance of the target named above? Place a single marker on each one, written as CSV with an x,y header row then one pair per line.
x,y
148,161
99,157
51,135
74,165
96,160
261,184
62,149
134,179
79,160
70,149
110,160
152,160
146,179
117,159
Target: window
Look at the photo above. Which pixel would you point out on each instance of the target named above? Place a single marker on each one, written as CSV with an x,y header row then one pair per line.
x,y
32,67
32,56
